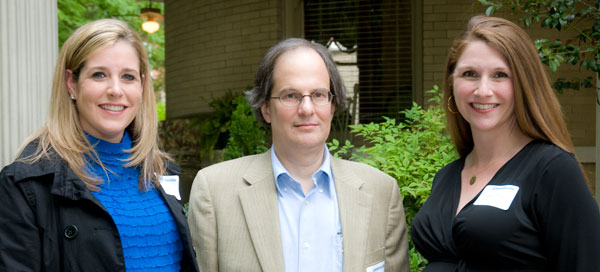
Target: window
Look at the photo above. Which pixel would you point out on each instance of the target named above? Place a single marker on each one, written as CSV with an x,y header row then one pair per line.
x,y
374,38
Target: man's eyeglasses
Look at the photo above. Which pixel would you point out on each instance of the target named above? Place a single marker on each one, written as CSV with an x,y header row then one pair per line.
x,y
291,98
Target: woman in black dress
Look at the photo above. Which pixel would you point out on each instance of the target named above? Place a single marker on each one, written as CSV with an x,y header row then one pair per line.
x,y
517,199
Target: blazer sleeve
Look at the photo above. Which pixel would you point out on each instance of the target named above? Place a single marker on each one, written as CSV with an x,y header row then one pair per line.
x,y
20,246
203,224
396,241
567,216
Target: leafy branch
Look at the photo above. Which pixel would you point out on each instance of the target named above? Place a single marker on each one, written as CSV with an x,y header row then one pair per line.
x,y
580,16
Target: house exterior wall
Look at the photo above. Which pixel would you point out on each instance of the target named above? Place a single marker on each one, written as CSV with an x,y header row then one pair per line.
x,y
213,46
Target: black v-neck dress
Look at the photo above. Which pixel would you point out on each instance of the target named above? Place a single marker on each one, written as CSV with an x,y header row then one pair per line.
x,y
552,223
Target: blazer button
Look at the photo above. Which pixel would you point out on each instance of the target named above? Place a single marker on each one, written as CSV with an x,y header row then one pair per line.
x,y
71,231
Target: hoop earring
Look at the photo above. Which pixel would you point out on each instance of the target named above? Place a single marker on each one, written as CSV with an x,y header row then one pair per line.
x,y
450,108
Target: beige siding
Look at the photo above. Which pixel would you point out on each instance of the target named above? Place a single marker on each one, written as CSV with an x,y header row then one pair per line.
x,y
213,46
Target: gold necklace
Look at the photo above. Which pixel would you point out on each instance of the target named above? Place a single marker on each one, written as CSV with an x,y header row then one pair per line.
x,y
503,159
474,177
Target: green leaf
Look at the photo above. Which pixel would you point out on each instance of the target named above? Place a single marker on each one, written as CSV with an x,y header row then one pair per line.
x,y
490,10
553,66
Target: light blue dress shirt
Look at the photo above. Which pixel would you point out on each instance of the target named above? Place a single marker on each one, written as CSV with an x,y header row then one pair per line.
x,y
311,233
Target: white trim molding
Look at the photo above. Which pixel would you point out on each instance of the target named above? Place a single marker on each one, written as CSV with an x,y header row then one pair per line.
x,y
586,154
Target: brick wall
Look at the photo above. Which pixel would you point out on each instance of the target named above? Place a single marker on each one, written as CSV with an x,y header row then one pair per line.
x,y
212,46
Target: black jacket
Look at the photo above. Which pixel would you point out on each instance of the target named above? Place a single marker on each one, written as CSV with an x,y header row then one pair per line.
x,y
49,221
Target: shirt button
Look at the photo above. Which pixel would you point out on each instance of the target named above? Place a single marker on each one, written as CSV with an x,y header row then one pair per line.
x,y
307,245
321,190
306,202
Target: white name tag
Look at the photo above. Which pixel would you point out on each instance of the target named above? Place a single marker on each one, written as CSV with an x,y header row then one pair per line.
x,y
171,185
499,196
378,267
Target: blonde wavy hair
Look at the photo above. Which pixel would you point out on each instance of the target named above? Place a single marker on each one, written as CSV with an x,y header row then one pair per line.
x,y
62,132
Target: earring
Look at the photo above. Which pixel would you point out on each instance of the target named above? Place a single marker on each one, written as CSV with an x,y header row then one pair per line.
x,y
449,107
72,96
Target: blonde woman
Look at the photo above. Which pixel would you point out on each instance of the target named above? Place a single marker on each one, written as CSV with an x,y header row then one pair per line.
x,y
517,199
84,193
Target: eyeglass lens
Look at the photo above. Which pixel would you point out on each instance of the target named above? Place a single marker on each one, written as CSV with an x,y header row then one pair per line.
x,y
293,98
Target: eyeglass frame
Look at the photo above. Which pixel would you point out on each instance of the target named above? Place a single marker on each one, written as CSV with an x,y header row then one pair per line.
x,y
330,96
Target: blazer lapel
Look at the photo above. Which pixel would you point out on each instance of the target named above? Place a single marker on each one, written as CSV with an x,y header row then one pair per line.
x,y
354,206
261,210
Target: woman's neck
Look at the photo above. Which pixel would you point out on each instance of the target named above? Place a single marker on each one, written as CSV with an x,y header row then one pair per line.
x,y
494,146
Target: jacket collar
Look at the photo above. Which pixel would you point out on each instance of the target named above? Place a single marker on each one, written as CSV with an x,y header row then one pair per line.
x,y
51,169
353,203
65,182
261,210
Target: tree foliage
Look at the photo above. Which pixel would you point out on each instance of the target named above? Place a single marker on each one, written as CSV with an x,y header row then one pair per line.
x,y
581,17
75,13
246,136
212,131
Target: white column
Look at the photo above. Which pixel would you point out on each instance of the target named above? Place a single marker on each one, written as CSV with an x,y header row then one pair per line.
x,y
28,52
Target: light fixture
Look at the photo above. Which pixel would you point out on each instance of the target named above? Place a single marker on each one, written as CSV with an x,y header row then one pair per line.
x,y
152,19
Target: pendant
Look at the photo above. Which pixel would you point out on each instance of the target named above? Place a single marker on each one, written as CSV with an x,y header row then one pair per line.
x,y
472,181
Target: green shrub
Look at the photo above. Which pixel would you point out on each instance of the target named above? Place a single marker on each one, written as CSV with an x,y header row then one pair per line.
x,y
246,136
212,131
161,111
411,151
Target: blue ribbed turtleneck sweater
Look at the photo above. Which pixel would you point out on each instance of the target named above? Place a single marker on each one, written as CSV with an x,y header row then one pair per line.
x,y
147,229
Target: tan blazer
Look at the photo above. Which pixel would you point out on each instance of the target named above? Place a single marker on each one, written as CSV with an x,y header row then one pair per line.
x,y
234,217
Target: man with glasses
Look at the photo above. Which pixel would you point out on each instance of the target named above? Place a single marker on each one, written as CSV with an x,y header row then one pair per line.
x,y
295,207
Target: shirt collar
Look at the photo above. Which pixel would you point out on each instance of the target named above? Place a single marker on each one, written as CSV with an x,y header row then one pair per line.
x,y
281,174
